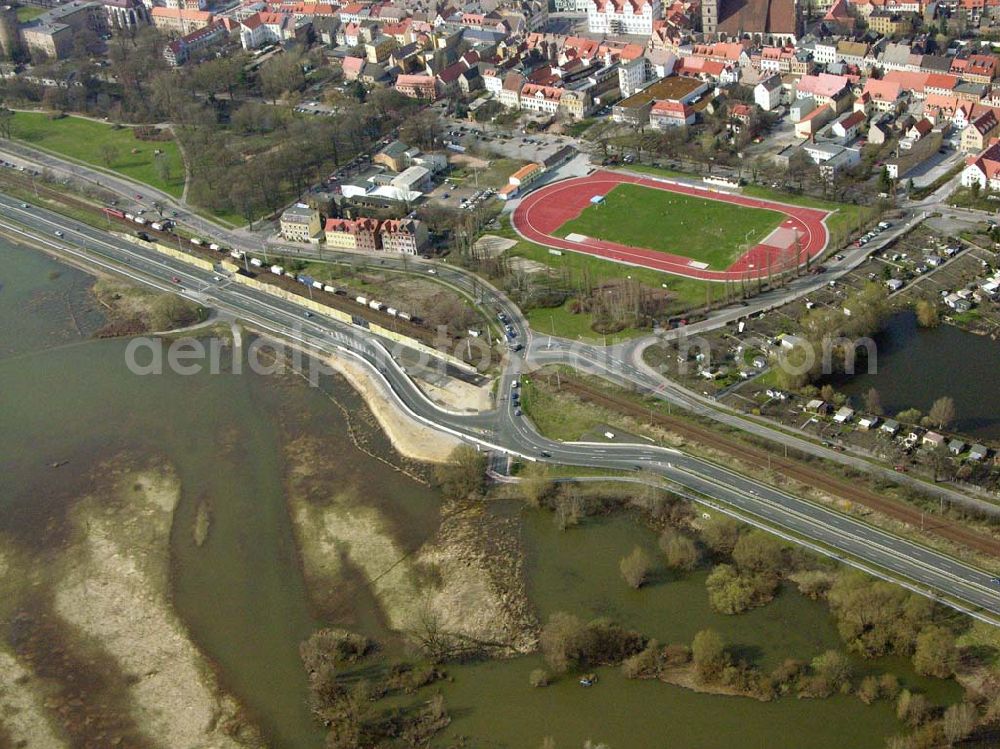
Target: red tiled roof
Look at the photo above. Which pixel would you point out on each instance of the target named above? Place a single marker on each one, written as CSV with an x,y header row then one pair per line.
x,y
513,82
985,122
698,66
944,104
883,90
187,14
824,84
525,171
673,109
988,161
855,118
757,17
619,6
353,64
544,92
941,80
726,50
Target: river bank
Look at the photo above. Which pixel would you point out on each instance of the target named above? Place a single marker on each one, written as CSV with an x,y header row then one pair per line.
x,y
98,657
459,577
249,466
409,437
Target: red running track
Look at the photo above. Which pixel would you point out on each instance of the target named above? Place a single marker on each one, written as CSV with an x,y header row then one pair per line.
x,y
539,215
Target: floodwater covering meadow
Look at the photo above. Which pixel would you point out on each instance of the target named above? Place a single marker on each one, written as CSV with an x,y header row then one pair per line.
x,y
239,587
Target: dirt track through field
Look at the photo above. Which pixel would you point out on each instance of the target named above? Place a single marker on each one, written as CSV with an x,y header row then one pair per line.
x,y
791,468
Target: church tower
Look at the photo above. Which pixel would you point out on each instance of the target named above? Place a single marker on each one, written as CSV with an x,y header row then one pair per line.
x,y
709,16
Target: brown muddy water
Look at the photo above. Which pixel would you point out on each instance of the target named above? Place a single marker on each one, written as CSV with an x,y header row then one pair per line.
x,y
241,591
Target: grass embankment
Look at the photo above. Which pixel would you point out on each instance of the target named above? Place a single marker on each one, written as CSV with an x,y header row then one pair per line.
x,y
922,192
133,310
53,200
658,171
436,302
561,418
708,231
577,129
979,200
106,147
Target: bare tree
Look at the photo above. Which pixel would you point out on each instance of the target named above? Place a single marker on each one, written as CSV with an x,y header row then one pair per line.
x,y
942,413
959,722
635,568
873,402
109,153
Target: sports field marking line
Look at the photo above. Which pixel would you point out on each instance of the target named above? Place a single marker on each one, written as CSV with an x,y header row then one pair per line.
x,y
740,200
670,265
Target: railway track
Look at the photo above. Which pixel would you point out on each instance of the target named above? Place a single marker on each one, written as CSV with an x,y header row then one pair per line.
x,y
789,467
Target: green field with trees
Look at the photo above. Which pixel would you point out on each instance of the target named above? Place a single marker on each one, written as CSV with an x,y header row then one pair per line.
x,y
145,154
709,231
572,294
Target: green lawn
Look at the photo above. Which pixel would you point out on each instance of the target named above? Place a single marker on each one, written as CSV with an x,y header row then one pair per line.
x,y
563,322
709,231
574,267
558,418
495,175
27,13
579,128
104,146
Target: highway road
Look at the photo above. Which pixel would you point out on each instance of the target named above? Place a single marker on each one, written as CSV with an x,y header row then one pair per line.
x,y
505,429
622,363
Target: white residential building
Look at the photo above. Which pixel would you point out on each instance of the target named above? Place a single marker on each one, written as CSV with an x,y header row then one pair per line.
x,y
825,53
493,81
265,28
767,93
622,16
983,170
536,98
631,76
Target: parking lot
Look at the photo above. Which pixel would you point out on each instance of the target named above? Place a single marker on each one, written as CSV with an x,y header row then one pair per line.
x,y
508,143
